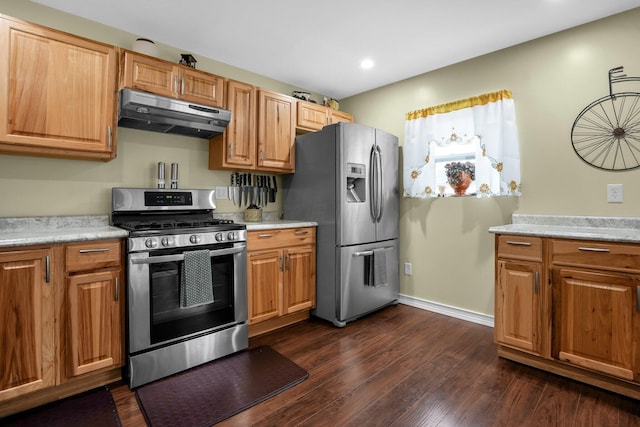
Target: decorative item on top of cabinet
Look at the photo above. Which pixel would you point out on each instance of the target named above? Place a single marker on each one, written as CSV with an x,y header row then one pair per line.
x,y
276,132
138,71
281,277
58,93
235,148
521,298
92,332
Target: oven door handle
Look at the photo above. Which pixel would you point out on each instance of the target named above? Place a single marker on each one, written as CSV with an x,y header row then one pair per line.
x,y
180,257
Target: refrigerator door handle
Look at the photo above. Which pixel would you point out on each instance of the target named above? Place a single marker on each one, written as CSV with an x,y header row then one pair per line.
x,y
379,175
373,203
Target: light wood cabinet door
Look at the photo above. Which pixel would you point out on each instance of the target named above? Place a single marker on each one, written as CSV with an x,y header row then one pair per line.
x,y
597,322
235,148
311,116
164,78
264,284
518,305
300,279
276,132
94,339
27,360
149,74
58,93
336,116
201,87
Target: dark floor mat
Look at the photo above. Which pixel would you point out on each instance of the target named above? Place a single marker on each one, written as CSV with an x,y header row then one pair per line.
x,y
94,408
213,392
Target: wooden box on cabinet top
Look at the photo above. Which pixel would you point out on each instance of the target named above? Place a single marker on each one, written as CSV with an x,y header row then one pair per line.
x,y
58,93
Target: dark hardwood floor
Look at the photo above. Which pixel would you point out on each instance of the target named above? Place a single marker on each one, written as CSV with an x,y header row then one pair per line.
x,y
404,366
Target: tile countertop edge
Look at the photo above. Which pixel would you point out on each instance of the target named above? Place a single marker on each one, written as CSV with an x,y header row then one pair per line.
x,y
30,231
610,229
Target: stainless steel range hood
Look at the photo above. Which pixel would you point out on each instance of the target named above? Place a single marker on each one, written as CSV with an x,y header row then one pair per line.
x,y
155,113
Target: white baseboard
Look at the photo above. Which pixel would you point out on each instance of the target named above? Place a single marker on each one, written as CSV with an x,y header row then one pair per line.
x,y
447,310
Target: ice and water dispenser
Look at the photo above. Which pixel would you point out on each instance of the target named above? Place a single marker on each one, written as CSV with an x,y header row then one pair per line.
x,y
356,183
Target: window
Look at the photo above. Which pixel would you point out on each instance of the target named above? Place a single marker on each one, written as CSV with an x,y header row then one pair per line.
x,y
477,133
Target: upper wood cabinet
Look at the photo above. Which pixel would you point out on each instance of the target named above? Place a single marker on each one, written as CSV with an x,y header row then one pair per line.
x,y
146,73
276,132
235,148
312,117
57,92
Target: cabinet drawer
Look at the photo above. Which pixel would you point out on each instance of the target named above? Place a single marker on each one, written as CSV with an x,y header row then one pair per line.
x,y
520,247
278,238
91,255
590,254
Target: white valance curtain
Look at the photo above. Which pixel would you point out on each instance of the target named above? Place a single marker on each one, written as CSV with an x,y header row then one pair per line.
x,y
486,122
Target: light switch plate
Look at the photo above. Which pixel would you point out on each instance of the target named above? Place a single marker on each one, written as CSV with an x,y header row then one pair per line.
x,y
222,193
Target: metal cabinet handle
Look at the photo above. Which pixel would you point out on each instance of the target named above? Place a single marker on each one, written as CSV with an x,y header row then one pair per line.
x,y
109,136
265,236
47,271
231,151
302,232
536,285
281,263
287,262
90,251
175,84
116,296
586,249
182,86
513,242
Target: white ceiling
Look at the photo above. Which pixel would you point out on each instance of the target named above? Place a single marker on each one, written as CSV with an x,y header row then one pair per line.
x,y
318,45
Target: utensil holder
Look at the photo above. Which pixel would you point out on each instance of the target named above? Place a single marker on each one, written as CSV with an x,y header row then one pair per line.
x,y
253,215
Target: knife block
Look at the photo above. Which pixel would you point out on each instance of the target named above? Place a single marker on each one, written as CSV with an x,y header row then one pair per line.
x,y
253,215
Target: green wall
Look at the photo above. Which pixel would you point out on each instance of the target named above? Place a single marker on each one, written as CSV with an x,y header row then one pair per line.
x,y
552,80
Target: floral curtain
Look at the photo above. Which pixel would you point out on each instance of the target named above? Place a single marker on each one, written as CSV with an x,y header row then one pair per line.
x,y
486,124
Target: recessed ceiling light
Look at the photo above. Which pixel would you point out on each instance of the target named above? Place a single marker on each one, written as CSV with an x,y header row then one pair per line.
x,y
366,64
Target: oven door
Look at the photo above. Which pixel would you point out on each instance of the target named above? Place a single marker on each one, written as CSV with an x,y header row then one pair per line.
x,y
155,316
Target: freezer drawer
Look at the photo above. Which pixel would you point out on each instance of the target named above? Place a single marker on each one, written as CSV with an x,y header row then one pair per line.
x,y
369,279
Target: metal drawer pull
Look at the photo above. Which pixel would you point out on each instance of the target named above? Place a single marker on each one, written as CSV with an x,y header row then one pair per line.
x,y
117,289
302,233
265,236
89,251
536,286
593,249
511,242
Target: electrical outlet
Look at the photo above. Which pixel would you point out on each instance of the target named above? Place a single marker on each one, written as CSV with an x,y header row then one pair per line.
x,y
222,193
408,269
614,193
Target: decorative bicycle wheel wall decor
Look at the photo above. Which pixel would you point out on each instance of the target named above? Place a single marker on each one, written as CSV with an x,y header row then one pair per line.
x,y
606,134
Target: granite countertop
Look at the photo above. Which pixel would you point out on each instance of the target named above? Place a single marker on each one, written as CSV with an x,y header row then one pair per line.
x,y
611,229
25,231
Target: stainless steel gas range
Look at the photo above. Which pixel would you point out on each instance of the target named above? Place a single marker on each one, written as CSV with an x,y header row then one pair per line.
x,y
186,281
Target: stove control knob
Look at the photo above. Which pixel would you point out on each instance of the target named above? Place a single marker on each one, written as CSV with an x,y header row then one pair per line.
x,y
195,239
168,241
232,236
219,237
151,243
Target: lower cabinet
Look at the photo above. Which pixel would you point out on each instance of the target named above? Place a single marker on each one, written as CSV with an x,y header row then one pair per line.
x,y
281,277
571,307
61,323
27,361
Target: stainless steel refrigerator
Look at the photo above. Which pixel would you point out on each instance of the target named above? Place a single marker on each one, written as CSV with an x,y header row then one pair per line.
x,y
346,180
